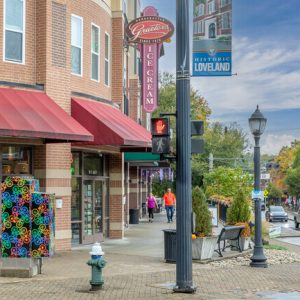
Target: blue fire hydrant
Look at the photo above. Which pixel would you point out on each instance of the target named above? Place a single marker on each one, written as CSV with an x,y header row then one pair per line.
x,y
97,263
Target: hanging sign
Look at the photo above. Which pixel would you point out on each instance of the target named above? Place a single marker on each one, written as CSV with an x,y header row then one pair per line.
x,y
212,33
150,76
149,30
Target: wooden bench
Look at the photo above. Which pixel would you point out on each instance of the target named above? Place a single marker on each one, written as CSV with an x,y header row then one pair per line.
x,y
229,233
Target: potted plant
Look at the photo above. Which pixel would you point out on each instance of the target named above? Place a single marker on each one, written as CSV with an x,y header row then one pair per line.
x,y
203,243
239,213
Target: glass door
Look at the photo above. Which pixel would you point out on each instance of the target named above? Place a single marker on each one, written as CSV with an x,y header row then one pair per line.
x,y
93,211
98,209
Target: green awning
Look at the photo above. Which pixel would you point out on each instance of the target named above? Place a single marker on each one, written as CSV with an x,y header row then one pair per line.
x,y
141,156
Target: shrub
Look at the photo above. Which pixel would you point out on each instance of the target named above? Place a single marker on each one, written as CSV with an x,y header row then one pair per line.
x,y
239,211
203,226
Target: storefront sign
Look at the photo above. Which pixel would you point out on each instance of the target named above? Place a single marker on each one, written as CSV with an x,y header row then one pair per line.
x,y
212,30
150,76
149,30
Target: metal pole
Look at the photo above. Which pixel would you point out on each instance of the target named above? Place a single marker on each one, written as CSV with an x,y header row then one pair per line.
x,y
258,259
184,283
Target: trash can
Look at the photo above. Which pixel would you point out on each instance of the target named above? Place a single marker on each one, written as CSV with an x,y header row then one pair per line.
x,y
170,245
134,216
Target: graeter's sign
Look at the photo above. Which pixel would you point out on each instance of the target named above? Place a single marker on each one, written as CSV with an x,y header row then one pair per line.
x,y
149,30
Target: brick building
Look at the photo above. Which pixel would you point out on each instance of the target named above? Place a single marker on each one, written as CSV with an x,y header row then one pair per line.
x,y
212,19
67,82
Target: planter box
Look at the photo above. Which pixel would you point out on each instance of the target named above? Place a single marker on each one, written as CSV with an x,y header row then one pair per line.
x,y
244,243
203,248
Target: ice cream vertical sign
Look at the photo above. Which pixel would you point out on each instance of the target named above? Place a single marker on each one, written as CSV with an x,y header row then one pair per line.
x,y
149,31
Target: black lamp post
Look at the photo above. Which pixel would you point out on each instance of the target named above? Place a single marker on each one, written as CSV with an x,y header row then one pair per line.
x,y
257,123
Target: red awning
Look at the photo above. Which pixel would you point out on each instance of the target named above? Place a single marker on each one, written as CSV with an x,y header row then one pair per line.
x,y
35,115
109,125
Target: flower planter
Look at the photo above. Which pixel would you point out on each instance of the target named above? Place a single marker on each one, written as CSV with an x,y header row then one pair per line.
x,y
203,248
244,243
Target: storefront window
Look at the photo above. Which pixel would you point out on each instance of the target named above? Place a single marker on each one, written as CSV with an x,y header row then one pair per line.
x,y
76,164
93,164
76,199
16,160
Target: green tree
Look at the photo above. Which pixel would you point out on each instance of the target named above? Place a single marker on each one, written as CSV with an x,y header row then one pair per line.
x,y
239,211
160,187
227,182
293,182
226,143
274,192
203,226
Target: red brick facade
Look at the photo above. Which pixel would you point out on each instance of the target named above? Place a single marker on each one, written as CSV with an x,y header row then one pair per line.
x,y
48,63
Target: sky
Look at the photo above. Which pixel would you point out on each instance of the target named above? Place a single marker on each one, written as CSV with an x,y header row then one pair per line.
x,y
266,59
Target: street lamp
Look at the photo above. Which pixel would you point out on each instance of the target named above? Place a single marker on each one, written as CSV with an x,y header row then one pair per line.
x,y
257,123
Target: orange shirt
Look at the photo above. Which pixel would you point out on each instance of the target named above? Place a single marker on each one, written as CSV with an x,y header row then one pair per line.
x,y
169,199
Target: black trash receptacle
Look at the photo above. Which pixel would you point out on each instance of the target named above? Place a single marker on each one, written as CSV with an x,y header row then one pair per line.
x,y
134,216
170,245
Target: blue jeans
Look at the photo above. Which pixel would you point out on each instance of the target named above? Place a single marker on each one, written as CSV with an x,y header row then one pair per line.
x,y
170,211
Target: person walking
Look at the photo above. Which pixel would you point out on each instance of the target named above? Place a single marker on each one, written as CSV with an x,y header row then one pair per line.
x,y
151,204
169,203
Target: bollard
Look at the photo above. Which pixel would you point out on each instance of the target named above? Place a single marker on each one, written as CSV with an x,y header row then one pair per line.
x,y
97,263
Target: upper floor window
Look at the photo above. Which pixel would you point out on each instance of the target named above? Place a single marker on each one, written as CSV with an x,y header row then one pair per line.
x,y
107,59
226,20
200,9
95,47
76,43
211,7
225,2
14,30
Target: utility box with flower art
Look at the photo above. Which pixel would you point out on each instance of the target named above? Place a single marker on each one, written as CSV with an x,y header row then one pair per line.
x,y
27,226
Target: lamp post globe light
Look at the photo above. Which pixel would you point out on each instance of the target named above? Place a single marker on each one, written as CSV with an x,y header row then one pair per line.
x,y
257,123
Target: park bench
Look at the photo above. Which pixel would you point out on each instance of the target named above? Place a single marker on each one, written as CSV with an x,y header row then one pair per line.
x,y
229,233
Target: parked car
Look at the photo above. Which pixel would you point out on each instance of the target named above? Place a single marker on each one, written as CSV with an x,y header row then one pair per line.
x,y
276,213
297,219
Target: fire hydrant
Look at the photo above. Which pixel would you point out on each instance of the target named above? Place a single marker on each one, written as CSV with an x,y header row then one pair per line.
x,y
97,263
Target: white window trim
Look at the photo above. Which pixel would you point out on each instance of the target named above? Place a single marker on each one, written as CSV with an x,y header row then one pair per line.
x,y
201,7
81,58
23,34
92,52
212,4
222,4
107,59
229,21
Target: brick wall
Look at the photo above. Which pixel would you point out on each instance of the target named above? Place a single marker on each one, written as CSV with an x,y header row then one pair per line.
x,y
133,98
116,193
48,62
117,59
133,188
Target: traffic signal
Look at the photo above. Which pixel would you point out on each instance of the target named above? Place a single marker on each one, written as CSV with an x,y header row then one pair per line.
x,y
160,126
160,130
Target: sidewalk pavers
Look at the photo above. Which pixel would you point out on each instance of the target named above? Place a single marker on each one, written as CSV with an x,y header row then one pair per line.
x,y
136,270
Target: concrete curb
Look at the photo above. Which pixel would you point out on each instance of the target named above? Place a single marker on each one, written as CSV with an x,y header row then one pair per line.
x,y
233,255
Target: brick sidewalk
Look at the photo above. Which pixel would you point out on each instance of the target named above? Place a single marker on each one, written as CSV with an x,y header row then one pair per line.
x,y
136,269
211,282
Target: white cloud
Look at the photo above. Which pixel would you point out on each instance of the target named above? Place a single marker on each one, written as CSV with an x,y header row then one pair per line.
x,y
267,74
273,143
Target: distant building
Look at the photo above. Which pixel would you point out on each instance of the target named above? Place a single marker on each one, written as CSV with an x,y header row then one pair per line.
x,y
212,19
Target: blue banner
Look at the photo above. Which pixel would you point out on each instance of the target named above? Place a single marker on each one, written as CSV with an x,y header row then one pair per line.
x,y
212,32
